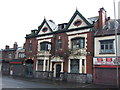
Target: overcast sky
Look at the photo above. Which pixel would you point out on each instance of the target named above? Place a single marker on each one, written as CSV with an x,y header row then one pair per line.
x,y
19,17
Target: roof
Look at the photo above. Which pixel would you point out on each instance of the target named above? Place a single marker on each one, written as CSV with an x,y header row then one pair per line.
x,y
54,28
93,19
52,25
109,28
74,15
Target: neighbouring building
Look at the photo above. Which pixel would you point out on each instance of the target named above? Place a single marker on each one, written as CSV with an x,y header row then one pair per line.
x,y
16,65
30,53
104,61
0,60
7,55
63,51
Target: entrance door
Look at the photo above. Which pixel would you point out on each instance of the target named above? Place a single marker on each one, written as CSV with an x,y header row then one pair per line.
x,y
29,68
58,69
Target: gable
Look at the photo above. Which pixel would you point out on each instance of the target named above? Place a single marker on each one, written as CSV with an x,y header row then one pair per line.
x,y
44,28
77,21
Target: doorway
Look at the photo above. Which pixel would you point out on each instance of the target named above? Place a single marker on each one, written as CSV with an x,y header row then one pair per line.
x,y
58,69
29,68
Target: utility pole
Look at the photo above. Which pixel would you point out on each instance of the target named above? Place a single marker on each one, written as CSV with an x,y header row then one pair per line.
x,y
116,56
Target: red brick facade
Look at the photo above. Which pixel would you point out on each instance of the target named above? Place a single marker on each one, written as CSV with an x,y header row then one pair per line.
x,y
31,54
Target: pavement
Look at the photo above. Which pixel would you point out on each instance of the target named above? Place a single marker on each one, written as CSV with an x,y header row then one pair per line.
x,y
67,84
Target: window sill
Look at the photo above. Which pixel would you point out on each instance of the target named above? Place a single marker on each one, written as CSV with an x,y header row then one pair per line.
x,y
107,53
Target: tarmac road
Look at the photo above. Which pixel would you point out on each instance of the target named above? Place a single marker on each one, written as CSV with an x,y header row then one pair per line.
x,y
14,83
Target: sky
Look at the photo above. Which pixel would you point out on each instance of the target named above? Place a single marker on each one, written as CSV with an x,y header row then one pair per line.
x,y
19,17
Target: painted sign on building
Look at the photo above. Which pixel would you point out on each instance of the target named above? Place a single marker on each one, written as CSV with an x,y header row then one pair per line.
x,y
105,61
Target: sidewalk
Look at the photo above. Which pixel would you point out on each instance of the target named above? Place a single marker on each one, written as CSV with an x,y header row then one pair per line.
x,y
64,83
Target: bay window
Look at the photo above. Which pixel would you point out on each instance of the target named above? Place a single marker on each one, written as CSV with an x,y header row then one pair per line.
x,y
78,43
45,46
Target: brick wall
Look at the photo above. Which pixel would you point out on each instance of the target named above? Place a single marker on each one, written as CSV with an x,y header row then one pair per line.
x,y
31,54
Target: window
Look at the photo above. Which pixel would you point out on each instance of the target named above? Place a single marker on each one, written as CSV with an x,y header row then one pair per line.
x,y
78,43
44,29
74,66
46,65
106,46
21,55
0,55
45,46
77,23
10,56
30,47
59,44
40,65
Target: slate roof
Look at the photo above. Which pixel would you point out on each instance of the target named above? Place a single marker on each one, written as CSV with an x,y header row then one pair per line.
x,y
52,25
108,29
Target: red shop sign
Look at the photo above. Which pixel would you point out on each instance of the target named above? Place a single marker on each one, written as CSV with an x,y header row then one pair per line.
x,y
99,59
108,59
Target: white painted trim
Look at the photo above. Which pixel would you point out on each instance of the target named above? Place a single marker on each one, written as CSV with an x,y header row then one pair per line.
x,y
75,36
80,66
85,66
79,31
50,66
36,65
62,67
69,66
54,72
44,37
44,65
45,40
80,63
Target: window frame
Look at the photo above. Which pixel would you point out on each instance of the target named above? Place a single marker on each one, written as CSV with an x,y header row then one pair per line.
x,y
74,65
80,43
30,47
39,65
44,46
105,46
59,44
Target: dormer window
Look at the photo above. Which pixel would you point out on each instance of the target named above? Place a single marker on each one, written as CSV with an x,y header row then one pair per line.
x,y
77,23
44,29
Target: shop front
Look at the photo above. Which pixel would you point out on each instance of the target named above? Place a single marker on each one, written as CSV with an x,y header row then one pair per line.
x,y
105,70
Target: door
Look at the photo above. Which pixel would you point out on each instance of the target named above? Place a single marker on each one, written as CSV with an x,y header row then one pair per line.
x,y
58,69
29,70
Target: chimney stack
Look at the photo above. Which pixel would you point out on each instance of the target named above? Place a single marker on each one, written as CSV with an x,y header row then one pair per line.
x,y
6,47
15,46
102,18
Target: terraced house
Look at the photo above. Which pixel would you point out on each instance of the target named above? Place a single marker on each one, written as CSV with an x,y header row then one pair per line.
x,y
107,52
63,51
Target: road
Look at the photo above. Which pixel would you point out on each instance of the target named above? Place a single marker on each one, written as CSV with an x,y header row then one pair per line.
x,y
11,82
14,83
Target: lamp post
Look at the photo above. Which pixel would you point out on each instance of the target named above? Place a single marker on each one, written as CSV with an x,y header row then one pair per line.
x,y
116,56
